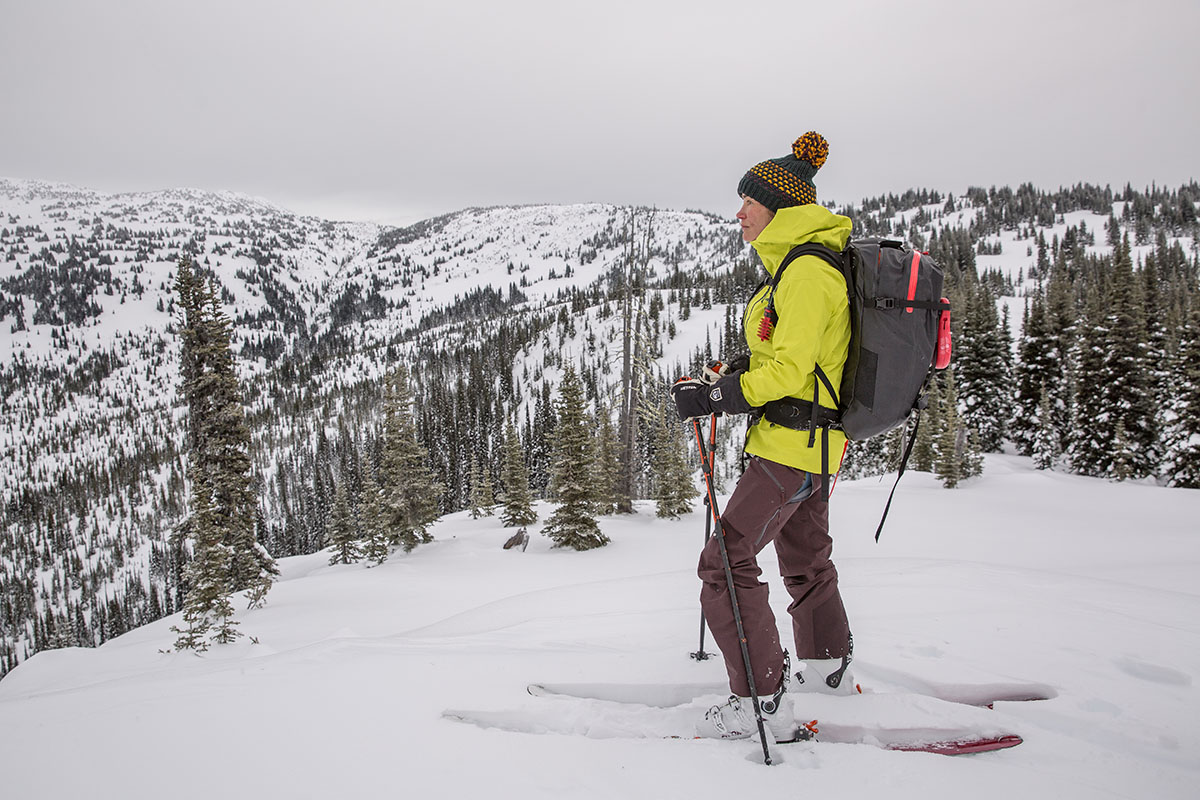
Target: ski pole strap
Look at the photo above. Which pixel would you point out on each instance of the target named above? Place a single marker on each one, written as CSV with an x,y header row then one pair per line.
x,y
903,464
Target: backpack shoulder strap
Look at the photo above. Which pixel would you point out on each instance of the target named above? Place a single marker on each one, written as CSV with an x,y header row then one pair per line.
x,y
832,257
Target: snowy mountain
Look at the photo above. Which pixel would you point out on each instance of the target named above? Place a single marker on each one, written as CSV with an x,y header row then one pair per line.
x,y
1020,577
486,306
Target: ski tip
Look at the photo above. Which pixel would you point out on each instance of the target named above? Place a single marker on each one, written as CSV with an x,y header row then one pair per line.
x,y
961,747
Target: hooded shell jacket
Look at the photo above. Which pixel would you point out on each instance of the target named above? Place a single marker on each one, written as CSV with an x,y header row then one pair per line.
x,y
813,328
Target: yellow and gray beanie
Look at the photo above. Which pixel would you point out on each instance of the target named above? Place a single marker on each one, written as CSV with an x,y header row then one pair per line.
x,y
784,182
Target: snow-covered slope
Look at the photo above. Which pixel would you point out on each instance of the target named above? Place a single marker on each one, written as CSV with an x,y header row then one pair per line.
x,y
1018,576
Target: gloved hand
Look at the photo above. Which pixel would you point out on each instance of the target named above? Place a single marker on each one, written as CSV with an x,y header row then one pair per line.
x,y
691,398
694,398
725,396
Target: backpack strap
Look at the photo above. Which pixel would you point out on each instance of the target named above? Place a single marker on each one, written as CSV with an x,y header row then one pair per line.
x,y
819,418
912,439
832,257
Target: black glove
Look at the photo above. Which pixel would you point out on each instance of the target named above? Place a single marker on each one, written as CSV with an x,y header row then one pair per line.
x,y
725,396
694,398
691,398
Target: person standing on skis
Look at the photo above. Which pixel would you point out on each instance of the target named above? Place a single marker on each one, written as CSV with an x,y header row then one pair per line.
x,y
803,323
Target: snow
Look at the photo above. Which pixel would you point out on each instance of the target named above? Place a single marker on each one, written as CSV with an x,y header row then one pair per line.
x,y
1020,576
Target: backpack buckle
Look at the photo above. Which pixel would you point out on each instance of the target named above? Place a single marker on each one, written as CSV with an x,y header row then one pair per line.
x,y
885,302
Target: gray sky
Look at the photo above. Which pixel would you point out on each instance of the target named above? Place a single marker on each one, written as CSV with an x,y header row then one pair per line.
x,y
394,111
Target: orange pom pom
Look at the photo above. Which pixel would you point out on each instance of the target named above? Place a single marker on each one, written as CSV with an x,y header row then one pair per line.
x,y
811,147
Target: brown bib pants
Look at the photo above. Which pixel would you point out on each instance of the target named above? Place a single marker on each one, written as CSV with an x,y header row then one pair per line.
x,y
780,504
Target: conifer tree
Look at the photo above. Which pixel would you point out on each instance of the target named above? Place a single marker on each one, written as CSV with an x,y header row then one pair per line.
x,y
1091,445
343,533
252,569
674,484
929,428
410,496
1160,377
376,539
1127,384
956,452
1034,370
482,496
226,554
207,607
981,369
573,523
1059,376
514,480
608,464
1185,435
1045,442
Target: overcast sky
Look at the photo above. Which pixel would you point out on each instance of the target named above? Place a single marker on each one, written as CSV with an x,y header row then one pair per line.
x,y
394,111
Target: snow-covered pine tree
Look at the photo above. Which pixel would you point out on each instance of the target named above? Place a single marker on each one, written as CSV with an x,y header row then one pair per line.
x,y
514,483
227,452
1127,385
984,384
539,433
226,554
929,428
1091,444
1045,441
955,450
343,533
1060,327
573,523
376,538
482,497
1034,370
608,463
674,485
410,498
1185,433
1158,356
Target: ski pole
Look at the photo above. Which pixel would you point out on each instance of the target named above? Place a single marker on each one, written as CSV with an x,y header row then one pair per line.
x,y
700,655
707,468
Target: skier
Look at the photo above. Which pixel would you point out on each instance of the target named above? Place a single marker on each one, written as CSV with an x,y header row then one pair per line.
x,y
778,498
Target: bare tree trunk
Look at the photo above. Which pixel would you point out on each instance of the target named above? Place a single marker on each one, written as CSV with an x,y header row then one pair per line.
x,y
637,258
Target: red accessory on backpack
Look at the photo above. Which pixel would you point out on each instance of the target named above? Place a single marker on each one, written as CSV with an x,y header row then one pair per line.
x,y
941,357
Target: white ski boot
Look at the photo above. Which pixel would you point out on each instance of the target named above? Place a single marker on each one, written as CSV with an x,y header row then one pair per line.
x,y
825,675
734,719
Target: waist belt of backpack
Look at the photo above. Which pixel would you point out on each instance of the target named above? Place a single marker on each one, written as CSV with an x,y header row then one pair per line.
x,y
798,414
811,416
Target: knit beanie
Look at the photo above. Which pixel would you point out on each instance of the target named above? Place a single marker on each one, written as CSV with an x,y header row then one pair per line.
x,y
784,182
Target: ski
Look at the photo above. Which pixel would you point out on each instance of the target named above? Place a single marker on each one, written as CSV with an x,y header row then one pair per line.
x,y
907,722
942,741
964,745
666,695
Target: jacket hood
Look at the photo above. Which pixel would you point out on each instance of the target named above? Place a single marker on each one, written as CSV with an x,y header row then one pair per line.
x,y
797,225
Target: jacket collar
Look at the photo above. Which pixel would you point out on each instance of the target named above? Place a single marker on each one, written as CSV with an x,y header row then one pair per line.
x,y
797,225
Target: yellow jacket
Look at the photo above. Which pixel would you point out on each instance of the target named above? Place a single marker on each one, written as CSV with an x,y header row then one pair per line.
x,y
813,328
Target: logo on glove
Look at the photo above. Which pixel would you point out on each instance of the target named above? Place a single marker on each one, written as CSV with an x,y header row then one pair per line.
x,y
715,394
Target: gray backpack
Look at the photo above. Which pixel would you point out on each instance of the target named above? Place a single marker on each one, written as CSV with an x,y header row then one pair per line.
x,y
899,334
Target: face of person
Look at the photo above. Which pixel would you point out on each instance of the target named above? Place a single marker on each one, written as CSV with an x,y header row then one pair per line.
x,y
753,216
